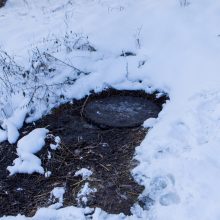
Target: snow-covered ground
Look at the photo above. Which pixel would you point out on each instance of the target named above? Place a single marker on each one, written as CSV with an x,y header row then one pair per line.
x,y
177,51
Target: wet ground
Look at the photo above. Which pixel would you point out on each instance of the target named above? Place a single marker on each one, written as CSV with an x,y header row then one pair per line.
x,y
107,151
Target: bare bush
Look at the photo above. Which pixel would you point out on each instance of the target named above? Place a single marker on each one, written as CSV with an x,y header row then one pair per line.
x,y
46,78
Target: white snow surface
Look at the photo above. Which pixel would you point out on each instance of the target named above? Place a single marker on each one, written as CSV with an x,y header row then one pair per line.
x,y
85,173
27,146
13,124
57,143
3,135
177,51
57,193
82,196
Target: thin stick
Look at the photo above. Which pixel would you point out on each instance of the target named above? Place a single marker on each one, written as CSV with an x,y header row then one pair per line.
x,y
78,70
104,167
83,106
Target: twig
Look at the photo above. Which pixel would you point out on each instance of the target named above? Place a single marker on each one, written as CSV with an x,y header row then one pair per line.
x,y
83,106
104,167
76,69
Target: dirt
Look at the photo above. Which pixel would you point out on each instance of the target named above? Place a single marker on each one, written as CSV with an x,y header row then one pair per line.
x,y
2,3
107,152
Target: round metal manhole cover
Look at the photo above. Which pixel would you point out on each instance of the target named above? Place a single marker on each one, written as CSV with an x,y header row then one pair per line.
x,y
120,111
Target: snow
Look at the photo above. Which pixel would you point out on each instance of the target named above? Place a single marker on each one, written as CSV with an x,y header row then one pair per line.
x,y
149,123
27,146
13,123
177,51
47,174
57,143
3,135
82,196
85,173
12,132
49,155
68,213
57,193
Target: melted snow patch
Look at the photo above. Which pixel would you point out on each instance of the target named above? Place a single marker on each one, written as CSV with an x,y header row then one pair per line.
x,y
47,174
30,144
82,196
85,173
57,143
57,194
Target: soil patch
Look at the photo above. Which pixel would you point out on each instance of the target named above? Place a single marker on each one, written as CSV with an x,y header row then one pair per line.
x,y
2,3
107,152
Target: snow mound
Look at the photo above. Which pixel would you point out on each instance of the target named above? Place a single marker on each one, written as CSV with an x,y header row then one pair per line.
x,y
3,135
11,126
57,143
30,144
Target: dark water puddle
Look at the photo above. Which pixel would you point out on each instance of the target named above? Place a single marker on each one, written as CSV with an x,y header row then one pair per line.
x,y
104,143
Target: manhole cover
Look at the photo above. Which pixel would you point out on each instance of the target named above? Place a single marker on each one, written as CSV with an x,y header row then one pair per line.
x,y
121,111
